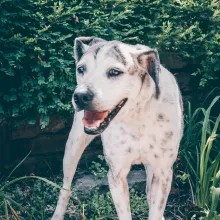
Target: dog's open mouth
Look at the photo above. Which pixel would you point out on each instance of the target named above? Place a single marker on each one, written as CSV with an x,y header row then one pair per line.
x,y
96,122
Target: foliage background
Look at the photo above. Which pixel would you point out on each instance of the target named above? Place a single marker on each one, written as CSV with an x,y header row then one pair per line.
x,y
37,71
37,75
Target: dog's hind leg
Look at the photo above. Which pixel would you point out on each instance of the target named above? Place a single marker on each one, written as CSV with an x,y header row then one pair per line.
x,y
75,146
158,188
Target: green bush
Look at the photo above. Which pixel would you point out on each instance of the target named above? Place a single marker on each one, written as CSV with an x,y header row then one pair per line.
x,y
37,75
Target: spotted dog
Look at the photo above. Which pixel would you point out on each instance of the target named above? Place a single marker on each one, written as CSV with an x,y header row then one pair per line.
x,y
124,94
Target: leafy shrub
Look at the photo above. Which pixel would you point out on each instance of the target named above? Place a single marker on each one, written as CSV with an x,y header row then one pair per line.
x,y
99,169
37,68
37,75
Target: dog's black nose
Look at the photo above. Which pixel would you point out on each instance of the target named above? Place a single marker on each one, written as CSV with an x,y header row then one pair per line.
x,y
83,98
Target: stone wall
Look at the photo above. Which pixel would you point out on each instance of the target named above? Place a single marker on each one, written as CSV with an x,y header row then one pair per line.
x,y
47,145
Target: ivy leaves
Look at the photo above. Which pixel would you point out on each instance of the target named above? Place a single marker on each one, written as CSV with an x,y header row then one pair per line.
x,y
37,71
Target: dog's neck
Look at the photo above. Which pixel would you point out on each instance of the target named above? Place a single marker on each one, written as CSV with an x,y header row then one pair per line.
x,y
136,107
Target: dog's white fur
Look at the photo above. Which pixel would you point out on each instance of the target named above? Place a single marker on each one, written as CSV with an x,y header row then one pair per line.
x,y
147,129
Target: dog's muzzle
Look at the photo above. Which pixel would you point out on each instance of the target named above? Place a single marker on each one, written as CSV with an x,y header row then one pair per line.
x,y
96,122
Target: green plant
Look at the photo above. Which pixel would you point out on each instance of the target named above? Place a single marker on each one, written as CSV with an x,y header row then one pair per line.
x,y
99,169
9,202
101,206
215,200
209,166
200,153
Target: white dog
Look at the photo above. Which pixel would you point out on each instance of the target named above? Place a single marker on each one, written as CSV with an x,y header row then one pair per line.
x,y
124,94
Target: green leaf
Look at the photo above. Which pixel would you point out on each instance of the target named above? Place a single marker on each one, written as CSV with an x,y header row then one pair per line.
x,y
1,109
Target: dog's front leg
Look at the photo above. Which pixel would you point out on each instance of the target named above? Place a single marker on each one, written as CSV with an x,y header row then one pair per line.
x,y
158,191
120,193
75,146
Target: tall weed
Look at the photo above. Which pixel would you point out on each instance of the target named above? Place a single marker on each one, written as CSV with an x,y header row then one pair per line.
x,y
200,153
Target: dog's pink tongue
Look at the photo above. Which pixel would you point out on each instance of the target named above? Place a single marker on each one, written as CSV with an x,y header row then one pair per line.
x,y
94,119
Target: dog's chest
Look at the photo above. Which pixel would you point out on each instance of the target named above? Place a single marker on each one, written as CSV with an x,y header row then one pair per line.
x,y
140,141
125,141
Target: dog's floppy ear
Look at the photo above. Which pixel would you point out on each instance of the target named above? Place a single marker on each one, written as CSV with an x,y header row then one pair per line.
x,y
81,45
150,61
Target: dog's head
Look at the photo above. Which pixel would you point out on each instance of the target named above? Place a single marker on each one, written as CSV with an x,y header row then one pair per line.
x,y
108,74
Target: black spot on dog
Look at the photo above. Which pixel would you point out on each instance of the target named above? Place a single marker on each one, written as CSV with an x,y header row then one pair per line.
x,y
162,203
96,52
163,142
132,70
160,117
155,180
163,149
164,192
156,156
123,142
151,146
133,137
123,131
115,51
164,189
169,134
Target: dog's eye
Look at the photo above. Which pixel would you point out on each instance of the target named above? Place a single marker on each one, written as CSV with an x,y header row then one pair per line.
x,y
81,69
114,72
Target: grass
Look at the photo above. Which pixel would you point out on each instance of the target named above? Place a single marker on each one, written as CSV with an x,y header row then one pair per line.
x,y
6,197
35,200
